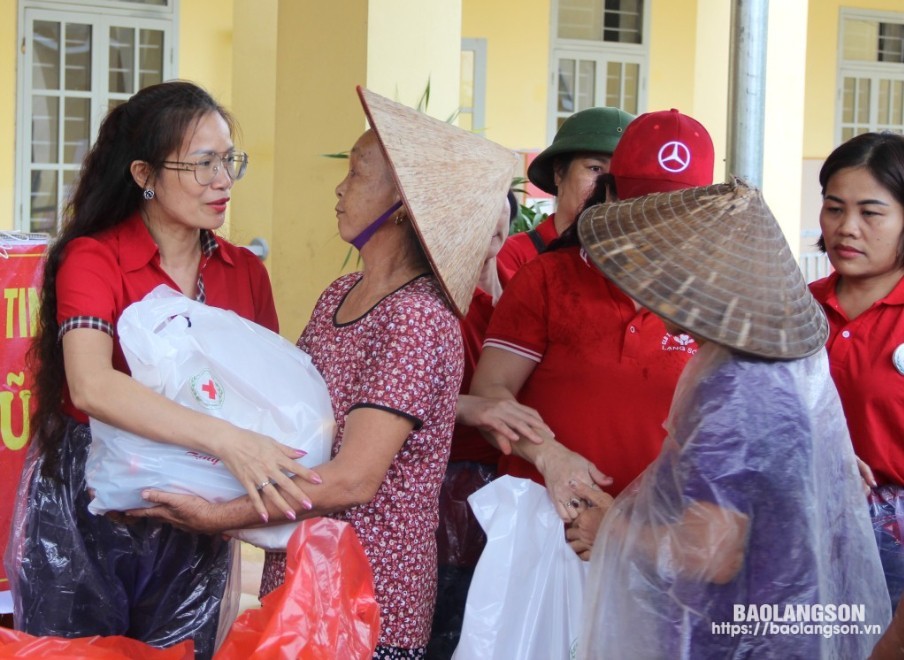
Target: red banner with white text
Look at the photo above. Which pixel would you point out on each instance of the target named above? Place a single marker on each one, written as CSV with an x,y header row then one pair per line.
x,y
21,262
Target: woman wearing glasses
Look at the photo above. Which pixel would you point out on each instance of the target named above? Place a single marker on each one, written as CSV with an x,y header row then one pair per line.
x,y
152,192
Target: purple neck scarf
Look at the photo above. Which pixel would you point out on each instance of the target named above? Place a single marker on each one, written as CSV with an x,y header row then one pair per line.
x,y
362,238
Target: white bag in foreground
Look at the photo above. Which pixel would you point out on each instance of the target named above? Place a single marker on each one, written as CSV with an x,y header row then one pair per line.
x,y
213,361
525,599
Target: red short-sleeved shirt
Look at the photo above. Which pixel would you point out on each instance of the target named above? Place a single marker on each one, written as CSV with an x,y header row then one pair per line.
x,y
605,372
862,360
403,356
519,249
467,442
103,274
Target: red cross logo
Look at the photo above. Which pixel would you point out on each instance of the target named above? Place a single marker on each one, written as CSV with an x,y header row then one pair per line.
x,y
207,389
210,389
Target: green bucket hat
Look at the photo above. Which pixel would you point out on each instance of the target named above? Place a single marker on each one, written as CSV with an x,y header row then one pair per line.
x,y
592,130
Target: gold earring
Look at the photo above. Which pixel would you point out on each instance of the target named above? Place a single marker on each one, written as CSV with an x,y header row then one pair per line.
x,y
400,218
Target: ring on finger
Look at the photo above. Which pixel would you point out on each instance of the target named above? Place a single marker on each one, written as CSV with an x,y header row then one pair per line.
x,y
574,503
263,485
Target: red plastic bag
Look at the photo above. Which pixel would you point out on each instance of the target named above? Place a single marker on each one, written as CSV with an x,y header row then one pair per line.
x,y
325,608
15,644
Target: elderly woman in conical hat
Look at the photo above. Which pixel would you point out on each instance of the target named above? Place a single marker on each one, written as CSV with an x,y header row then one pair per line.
x,y
387,342
747,537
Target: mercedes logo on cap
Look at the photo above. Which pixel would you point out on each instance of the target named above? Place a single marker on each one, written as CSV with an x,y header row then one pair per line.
x,y
674,157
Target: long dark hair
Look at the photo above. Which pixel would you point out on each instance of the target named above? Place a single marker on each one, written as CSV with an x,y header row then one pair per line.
x,y
149,127
882,155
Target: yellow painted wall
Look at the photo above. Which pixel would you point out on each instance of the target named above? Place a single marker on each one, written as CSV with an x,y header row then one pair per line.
x,y
254,69
822,69
517,68
322,55
205,45
710,103
8,51
410,42
673,34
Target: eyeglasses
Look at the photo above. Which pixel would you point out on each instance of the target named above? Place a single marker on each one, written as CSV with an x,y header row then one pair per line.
x,y
207,169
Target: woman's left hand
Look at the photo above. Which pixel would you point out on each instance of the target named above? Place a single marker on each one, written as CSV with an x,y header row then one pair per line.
x,y
188,512
506,420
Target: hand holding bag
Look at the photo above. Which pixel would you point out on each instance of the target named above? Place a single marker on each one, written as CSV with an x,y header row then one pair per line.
x,y
525,599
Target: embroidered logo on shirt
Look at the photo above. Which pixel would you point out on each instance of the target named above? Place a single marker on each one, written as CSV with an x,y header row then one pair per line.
x,y
207,390
680,342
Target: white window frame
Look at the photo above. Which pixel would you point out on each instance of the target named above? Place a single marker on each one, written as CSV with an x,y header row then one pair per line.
x,y
601,52
101,14
874,71
479,93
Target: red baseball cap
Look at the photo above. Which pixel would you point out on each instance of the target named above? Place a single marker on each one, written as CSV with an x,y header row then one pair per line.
x,y
660,152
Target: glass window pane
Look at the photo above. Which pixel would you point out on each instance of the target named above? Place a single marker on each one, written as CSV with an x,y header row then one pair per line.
x,y
614,84
623,21
78,57
580,19
623,85
43,206
847,100
882,117
861,114
566,85
122,60
466,121
860,39
891,42
76,130
618,21
45,123
896,103
150,64
586,84
847,133
631,100
45,68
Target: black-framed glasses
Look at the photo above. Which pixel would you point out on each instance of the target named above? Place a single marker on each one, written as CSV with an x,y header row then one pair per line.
x,y
208,167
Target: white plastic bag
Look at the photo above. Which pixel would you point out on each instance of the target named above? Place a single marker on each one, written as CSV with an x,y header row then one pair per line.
x,y
213,361
525,599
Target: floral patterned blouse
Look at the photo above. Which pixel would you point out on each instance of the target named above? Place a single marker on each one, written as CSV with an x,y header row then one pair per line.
x,y
403,356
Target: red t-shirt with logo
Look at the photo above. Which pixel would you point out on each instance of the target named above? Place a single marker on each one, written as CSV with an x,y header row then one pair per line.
x,y
103,274
868,370
605,372
518,249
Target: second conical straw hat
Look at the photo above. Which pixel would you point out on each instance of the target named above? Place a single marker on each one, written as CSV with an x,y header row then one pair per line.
x,y
454,184
712,260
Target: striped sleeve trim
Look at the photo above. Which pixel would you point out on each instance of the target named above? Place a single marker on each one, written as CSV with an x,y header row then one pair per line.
x,y
513,348
89,322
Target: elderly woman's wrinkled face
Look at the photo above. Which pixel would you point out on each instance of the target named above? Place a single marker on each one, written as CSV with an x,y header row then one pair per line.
x,y
367,191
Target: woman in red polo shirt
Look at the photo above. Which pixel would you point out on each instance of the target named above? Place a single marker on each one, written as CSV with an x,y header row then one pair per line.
x,y
862,222
151,193
568,343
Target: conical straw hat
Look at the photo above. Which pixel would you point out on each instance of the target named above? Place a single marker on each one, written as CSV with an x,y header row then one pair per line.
x,y
712,260
454,184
